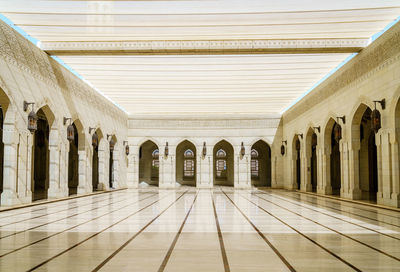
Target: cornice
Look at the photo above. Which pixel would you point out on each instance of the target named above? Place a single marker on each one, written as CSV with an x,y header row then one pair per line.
x,y
258,46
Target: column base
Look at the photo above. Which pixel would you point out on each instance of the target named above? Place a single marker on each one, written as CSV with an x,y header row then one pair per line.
x,y
204,186
393,200
102,187
10,198
54,193
307,188
242,186
166,186
327,190
353,194
133,185
83,191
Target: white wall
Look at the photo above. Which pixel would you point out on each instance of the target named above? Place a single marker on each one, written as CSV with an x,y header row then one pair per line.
x,y
27,73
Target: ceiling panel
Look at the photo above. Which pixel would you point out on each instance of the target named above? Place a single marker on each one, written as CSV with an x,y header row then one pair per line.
x,y
224,82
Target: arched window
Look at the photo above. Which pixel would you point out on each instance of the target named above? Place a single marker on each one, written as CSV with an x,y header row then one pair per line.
x,y
221,163
254,164
188,163
155,163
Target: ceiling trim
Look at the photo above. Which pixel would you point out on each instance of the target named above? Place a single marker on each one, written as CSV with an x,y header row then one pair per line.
x,y
294,46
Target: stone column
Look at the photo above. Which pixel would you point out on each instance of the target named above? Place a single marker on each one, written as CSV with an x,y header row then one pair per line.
x,y
103,165
242,168
133,170
115,170
387,187
325,172
82,185
24,193
292,160
9,195
351,167
64,169
205,169
167,168
306,167
54,190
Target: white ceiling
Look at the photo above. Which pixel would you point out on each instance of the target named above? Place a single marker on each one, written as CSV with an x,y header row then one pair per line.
x,y
223,82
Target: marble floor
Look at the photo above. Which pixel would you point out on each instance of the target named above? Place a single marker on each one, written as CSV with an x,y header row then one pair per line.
x,y
200,230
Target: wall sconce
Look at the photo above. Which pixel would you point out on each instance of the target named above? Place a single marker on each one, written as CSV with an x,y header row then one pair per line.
x,y
32,117
337,132
343,118
166,150
70,129
90,129
376,116
317,128
204,149
125,143
112,143
242,150
283,147
95,140
299,135
382,102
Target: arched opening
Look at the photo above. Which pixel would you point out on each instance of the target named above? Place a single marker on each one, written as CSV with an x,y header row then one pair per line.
x,y
112,143
186,163
296,158
260,164
149,163
332,136
96,137
335,172
368,164
311,155
223,164
40,152
73,164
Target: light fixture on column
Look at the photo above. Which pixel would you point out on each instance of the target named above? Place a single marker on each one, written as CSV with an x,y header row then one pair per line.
x,y
376,116
343,118
70,129
95,140
337,132
111,141
283,147
300,135
382,102
166,150
90,129
317,128
125,143
242,150
32,117
204,149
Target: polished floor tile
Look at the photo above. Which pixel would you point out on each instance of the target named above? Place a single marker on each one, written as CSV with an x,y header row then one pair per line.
x,y
191,229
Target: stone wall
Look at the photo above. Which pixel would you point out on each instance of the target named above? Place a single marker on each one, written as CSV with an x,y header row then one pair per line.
x,y
199,130
374,74
27,73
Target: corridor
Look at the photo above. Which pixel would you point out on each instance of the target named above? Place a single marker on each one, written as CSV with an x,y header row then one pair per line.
x,y
191,229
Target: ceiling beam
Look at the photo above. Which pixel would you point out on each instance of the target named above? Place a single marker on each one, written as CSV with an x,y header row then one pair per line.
x,y
301,46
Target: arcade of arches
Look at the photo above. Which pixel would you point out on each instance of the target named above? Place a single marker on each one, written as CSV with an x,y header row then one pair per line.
x,y
342,139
